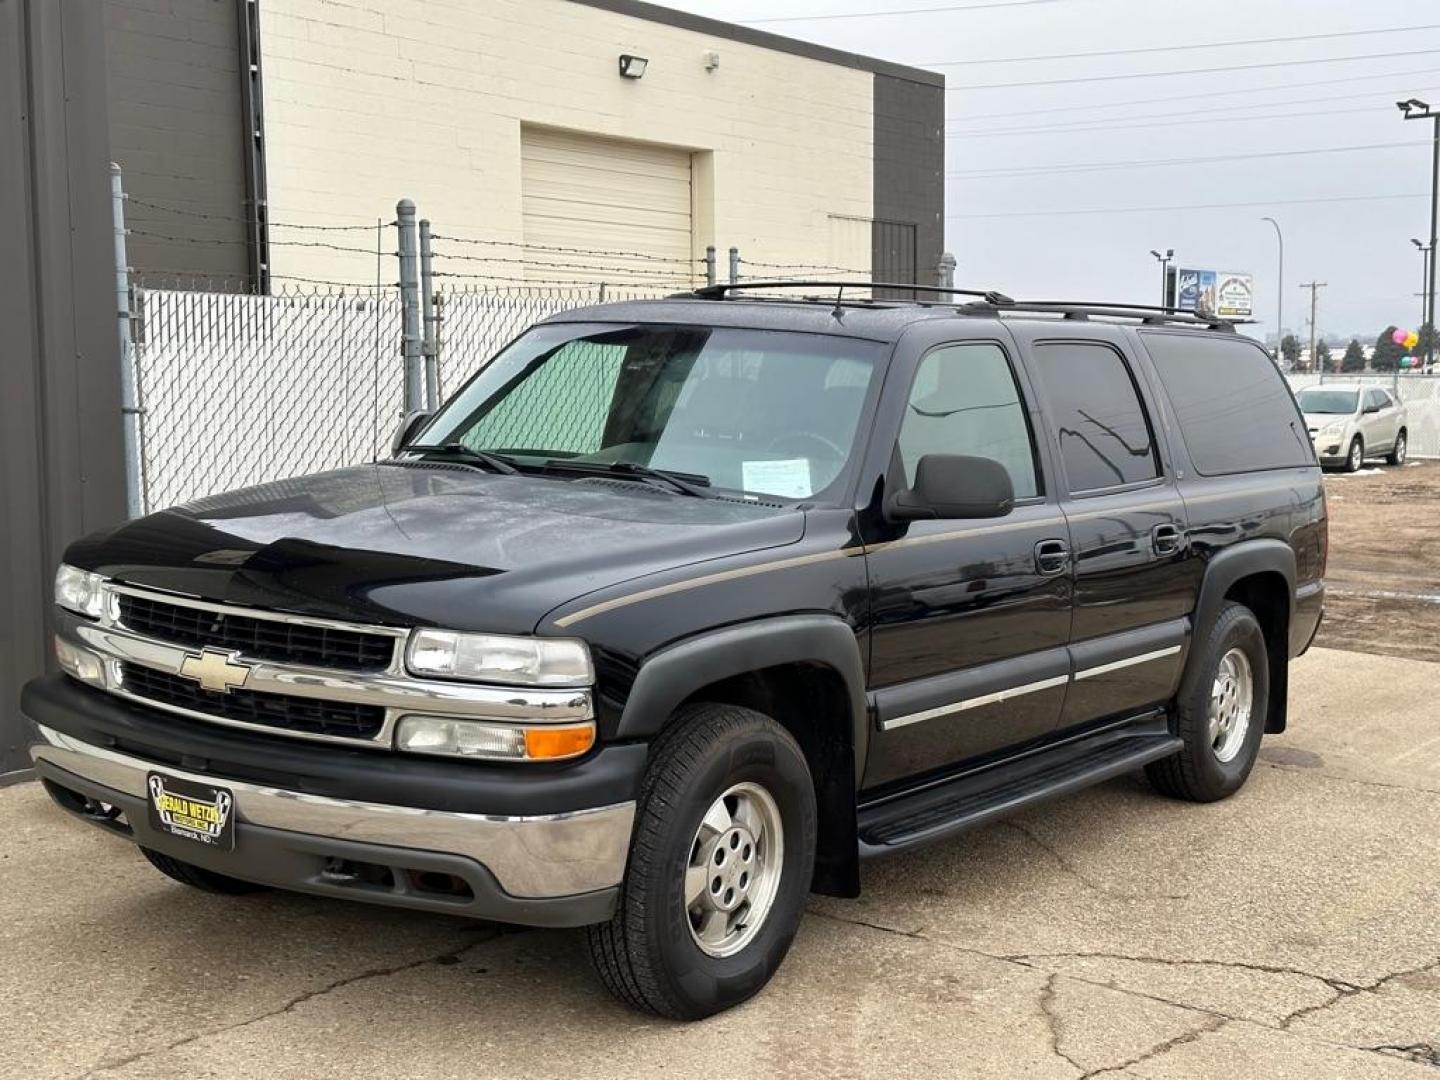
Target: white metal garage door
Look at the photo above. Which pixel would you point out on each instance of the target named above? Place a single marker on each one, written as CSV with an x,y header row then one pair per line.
x,y
605,195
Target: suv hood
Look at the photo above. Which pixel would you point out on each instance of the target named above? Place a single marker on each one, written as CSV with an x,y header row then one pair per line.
x,y
433,545
1321,420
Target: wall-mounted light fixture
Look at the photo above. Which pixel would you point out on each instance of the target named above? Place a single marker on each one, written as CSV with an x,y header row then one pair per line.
x,y
632,67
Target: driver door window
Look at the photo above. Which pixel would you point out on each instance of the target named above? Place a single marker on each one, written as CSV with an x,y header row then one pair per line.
x,y
965,401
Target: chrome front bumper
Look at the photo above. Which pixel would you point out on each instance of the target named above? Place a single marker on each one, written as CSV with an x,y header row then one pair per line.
x,y
530,858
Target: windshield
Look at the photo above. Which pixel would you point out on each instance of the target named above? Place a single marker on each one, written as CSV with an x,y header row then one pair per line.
x,y
753,411
1338,402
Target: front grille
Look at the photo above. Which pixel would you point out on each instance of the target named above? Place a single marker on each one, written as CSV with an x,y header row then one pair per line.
x,y
258,639
284,712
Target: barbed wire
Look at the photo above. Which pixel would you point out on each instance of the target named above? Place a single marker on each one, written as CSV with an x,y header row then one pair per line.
x,y
639,255
247,220
577,282
633,270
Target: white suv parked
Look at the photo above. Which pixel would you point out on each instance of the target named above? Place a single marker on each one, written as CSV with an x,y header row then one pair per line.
x,y
1349,423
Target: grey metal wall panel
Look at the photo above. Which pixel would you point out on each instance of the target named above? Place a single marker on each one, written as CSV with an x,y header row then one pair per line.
x,y
909,172
61,470
176,130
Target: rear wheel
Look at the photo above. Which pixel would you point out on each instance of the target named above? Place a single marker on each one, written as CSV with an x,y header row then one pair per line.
x,y
1222,717
1397,453
197,877
719,870
1356,457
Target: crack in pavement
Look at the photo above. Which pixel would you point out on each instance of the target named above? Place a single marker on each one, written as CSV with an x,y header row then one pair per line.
x,y
1323,774
449,956
1341,990
1052,1020
1424,1053
1214,1025
1070,868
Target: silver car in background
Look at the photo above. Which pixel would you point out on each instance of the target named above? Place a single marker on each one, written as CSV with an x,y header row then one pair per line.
x,y
1349,423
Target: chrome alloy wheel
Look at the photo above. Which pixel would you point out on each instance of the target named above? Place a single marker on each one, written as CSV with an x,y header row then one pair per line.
x,y
1231,698
734,869
1399,452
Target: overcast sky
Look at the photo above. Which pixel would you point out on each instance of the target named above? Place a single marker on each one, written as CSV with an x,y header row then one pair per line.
x,y
1083,246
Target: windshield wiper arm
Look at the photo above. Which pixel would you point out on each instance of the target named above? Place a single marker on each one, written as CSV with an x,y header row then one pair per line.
x,y
495,462
693,484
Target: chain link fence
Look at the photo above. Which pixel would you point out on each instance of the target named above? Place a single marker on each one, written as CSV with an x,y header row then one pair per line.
x,y
1420,395
239,389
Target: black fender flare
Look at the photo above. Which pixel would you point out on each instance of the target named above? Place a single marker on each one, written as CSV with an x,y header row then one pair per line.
x,y
1221,573
674,673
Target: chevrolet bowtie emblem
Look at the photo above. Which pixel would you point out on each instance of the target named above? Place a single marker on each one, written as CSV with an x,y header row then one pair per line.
x,y
215,670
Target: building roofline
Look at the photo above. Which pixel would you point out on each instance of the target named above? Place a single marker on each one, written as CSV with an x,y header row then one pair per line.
x,y
764,39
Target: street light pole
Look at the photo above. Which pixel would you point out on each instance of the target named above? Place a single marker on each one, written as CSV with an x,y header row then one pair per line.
x,y
1415,109
1164,273
1279,291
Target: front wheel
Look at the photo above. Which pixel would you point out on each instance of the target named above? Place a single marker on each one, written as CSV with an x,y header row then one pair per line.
x,y
198,877
1397,453
1356,457
1221,718
720,864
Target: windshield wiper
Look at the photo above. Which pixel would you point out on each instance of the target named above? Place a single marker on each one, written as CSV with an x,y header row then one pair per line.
x,y
495,462
693,484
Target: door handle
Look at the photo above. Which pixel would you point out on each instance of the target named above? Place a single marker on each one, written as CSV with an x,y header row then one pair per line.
x,y
1166,539
1052,557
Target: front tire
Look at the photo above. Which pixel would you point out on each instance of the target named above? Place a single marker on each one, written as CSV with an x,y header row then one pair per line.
x,y
197,877
1222,717
720,865
1397,453
1356,455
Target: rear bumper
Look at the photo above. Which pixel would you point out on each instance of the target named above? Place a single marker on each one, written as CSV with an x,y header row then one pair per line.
x,y
549,863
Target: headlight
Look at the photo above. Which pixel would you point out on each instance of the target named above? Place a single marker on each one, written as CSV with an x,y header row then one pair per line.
x,y
1335,427
451,736
80,591
522,661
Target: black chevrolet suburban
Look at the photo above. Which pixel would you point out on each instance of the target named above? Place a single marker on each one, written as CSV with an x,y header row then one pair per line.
x,y
679,609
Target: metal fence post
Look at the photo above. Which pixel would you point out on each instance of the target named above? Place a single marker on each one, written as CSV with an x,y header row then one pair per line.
x,y
129,387
427,299
439,345
734,266
946,271
411,345
710,264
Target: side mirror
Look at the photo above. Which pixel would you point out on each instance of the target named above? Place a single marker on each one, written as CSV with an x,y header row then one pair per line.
x,y
408,429
954,486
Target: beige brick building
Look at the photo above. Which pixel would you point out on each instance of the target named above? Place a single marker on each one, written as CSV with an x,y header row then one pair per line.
x,y
513,128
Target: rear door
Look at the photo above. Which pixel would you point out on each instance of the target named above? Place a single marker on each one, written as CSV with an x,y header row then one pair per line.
x,y
1134,571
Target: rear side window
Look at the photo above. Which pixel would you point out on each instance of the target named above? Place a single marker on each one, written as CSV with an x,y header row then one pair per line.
x,y
1234,409
1105,438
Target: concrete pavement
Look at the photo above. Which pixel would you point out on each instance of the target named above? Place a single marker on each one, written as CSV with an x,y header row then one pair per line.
x,y
1289,932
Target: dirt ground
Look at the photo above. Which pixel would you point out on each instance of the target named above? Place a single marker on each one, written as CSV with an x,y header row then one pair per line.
x,y
1383,583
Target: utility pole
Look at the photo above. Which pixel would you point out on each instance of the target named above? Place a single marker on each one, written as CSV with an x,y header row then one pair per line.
x,y
1415,109
1427,252
1314,287
1164,273
1279,292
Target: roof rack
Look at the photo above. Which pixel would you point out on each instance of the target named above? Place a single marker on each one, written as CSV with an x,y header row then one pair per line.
x,y
1082,310
987,302
721,290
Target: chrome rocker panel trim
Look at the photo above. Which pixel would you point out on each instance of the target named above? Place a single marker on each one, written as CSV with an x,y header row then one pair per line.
x,y
549,855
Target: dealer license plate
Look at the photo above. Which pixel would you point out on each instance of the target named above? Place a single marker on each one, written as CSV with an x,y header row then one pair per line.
x,y
193,811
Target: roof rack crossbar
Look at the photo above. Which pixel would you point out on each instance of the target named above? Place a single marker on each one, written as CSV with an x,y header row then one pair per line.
x,y
720,290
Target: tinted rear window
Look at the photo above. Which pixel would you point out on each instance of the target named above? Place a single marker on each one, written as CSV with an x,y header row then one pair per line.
x,y
1234,409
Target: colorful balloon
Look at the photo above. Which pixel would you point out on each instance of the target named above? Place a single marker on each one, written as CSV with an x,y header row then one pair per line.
x,y
1412,339
1399,336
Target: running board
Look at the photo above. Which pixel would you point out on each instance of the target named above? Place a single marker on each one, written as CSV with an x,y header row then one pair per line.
x,y
977,798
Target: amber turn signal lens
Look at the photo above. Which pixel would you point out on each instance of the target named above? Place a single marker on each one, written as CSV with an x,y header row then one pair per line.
x,y
558,742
